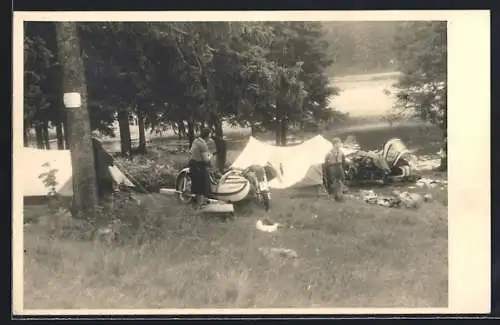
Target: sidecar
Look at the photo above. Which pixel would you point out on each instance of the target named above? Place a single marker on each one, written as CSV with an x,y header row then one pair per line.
x,y
231,187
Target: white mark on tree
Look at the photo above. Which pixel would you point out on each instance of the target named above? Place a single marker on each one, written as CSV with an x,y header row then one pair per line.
x,y
72,100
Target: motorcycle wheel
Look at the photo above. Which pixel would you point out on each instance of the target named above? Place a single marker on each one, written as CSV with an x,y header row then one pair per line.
x,y
185,196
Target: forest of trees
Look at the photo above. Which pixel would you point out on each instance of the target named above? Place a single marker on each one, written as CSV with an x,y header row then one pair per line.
x,y
364,46
263,75
266,75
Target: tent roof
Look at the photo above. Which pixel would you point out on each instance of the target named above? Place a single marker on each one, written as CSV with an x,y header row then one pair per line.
x,y
301,164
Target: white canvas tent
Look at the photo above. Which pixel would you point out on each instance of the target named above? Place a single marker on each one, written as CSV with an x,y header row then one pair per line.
x,y
301,164
32,164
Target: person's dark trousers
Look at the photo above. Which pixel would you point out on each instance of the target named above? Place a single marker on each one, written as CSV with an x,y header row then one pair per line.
x,y
199,178
334,178
105,188
102,162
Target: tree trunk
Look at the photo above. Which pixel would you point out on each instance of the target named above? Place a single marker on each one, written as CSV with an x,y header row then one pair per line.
x,y
26,137
39,136
284,131
278,132
280,117
252,130
444,155
220,143
182,129
84,181
217,126
65,127
179,135
60,136
191,133
125,139
142,132
46,139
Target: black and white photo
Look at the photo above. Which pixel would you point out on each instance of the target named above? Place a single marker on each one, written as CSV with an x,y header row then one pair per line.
x,y
248,164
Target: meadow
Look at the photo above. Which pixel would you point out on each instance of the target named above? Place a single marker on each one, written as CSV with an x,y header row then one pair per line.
x,y
349,254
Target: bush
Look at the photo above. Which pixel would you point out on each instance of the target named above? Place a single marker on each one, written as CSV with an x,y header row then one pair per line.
x,y
153,170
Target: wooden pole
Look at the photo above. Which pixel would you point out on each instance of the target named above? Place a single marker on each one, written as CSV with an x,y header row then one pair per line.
x,y
80,144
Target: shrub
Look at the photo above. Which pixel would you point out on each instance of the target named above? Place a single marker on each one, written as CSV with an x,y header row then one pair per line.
x,y
153,170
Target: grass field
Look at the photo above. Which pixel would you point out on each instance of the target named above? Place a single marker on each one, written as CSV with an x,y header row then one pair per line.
x,y
350,254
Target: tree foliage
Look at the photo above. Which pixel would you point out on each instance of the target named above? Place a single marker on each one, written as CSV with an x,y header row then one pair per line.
x,y
268,75
361,46
421,50
40,71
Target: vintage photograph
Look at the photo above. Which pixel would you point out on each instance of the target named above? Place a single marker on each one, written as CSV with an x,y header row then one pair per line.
x,y
235,164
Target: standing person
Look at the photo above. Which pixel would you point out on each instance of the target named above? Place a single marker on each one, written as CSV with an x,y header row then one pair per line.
x,y
334,170
199,165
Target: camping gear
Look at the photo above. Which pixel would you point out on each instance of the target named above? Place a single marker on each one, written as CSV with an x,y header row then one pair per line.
x,y
427,162
302,165
396,199
35,162
234,185
392,163
430,183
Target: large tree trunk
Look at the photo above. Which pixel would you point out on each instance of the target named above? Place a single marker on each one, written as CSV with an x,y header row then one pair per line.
x,y
46,139
39,136
85,199
142,132
190,132
125,140
60,136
